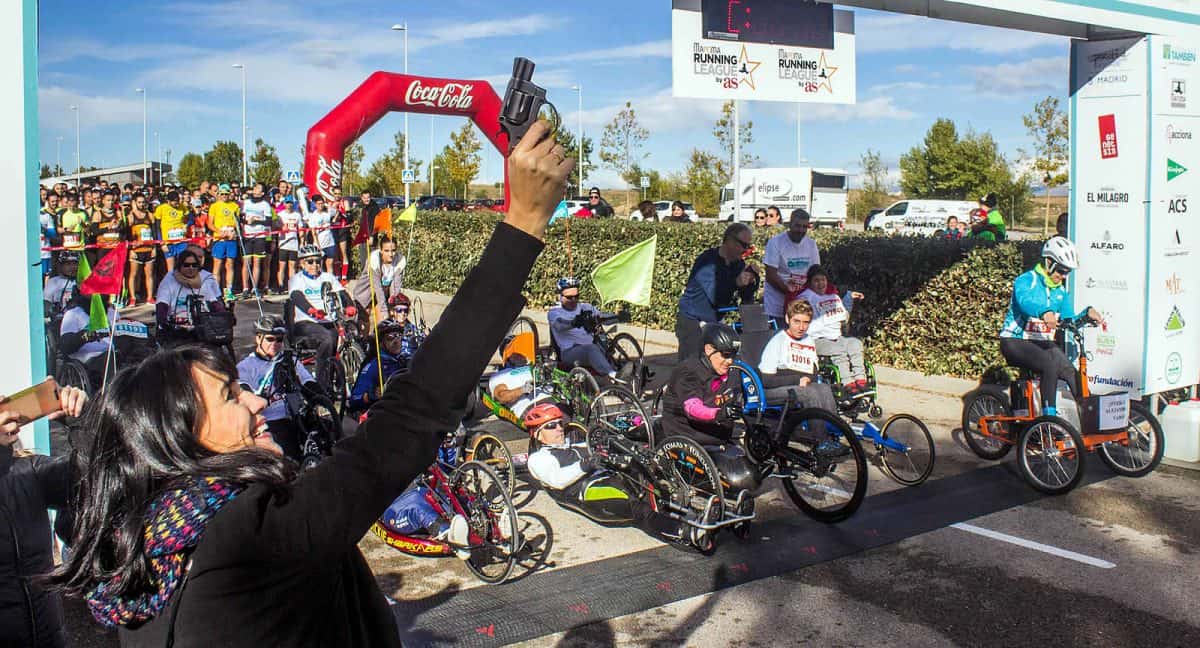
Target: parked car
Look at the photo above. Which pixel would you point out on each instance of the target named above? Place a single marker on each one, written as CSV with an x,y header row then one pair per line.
x,y
434,203
921,217
480,204
663,209
871,215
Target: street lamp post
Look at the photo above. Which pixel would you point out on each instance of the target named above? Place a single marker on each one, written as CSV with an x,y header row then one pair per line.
x,y
58,154
78,164
158,157
432,175
404,28
241,67
579,141
145,174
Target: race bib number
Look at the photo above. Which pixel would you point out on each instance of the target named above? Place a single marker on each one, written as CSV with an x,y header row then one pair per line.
x,y
1036,329
832,309
72,239
802,357
145,234
131,328
177,233
227,233
110,238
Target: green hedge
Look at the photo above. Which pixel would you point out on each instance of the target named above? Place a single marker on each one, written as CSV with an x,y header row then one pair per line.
x,y
931,305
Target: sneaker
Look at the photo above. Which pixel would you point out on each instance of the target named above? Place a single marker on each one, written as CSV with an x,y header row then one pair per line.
x,y
862,384
150,301
229,295
830,449
246,294
458,536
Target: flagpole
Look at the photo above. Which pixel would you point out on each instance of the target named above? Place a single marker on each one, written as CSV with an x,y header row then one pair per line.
x,y
374,316
570,257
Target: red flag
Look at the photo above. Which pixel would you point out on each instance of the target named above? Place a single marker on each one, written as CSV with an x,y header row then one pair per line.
x,y
109,274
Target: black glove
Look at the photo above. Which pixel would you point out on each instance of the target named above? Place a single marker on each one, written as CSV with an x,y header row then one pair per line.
x,y
586,464
728,415
577,321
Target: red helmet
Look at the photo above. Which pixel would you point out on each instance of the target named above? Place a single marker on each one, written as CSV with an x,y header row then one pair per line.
x,y
399,299
539,415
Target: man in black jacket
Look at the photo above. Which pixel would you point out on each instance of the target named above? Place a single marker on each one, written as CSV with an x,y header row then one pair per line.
x,y
29,485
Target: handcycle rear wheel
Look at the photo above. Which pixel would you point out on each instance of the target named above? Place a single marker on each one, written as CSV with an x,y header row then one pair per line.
x,y
911,467
625,354
618,410
987,402
696,482
72,373
353,358
833,484
491,518
1143,449
1050,455
491,451
525,325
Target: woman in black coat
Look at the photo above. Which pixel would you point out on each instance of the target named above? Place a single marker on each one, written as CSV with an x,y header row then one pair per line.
x,y
191,529
29,615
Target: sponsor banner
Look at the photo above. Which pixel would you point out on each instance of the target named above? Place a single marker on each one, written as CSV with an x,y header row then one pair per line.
x,y
707,68
1173,282
1108,196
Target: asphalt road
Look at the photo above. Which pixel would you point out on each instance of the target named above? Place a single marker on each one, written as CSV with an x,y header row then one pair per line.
x,y
972,557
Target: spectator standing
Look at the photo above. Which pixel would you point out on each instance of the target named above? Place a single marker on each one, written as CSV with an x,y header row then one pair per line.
x,y
788,257
716,276
760,217
646,209
48,219
952,232
774,217
290,222
598,205
340,222
678,214
1062,225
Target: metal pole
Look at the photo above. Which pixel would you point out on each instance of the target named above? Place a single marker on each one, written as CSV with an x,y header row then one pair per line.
x,y
579,142
78,163
145,121
431,177
158,157
799,147
58,154
403,27
737,164
431,155
245,175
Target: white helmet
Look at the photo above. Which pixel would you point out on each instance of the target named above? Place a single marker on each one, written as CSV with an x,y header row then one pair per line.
x,y
1061,251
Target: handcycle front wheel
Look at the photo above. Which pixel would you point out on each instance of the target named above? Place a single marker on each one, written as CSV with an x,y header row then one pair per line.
x,y
618,410
987,402
1142,450
72,373
695,483
320,422
492,520
583,389
914,464
827,466
491,451
1050,455
625,354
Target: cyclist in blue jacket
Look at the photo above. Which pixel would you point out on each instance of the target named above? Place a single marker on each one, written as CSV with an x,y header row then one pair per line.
x,y
1039,302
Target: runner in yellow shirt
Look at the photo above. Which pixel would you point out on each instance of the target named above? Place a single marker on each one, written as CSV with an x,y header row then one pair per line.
x,y
223,219
172,217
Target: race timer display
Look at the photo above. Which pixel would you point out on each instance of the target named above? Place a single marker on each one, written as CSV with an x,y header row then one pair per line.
x,y
794,23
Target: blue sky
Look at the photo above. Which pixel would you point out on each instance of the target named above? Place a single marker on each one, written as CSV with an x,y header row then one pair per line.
x,y
302,58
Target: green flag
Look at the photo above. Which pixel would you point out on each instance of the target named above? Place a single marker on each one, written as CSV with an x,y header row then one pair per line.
x,y
97,316
628,275
409,215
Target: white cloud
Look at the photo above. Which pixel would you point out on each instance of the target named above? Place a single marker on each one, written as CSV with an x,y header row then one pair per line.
x,y
1047,74
54,109
650,49
559,79
874,109
876,33
657,111
899,86
60,50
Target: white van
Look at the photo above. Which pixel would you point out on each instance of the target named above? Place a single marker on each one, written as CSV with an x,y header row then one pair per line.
x,y
920,217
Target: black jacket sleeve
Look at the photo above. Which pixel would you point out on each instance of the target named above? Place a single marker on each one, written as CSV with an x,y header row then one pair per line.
x,y
331,506
300,301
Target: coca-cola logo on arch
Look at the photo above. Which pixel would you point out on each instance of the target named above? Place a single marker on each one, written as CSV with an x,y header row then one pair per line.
x,y
329,175
456,96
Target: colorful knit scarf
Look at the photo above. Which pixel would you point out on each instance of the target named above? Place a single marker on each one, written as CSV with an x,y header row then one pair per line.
x,y
176,522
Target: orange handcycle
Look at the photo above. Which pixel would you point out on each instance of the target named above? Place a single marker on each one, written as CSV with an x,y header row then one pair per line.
x,y
1050,449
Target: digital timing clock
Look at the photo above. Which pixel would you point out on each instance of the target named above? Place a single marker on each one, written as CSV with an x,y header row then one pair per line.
x,y
794,23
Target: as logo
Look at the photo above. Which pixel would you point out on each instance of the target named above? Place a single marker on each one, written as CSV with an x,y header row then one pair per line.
x,y
1177,206
1174,169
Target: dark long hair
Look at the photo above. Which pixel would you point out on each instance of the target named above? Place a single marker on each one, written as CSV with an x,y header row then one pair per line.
x,y
143,430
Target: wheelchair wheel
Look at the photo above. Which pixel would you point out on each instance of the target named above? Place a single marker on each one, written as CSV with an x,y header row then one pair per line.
x,y
490,451
322,427
825,466
694,481
492,519
339,386
987,402
72,373
353,358
616,409
1050,455
582,390
1142,450
913,465
625,354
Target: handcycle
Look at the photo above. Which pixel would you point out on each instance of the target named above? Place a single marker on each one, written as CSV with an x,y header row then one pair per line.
x,y
675,477
132,342
622,350
1050,449
315,414
347,353
475,491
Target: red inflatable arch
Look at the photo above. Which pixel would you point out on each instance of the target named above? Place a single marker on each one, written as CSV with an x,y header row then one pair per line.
x,y
384,92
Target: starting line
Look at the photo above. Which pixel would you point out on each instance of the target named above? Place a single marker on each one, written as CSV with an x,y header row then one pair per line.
x,y
1036,546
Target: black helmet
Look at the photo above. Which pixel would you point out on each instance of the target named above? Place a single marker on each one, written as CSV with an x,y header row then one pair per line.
x,y
722,338
67,256
270,325
389,326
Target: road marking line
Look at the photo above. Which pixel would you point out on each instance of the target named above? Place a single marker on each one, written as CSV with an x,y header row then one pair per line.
x,y
1037,546
829,490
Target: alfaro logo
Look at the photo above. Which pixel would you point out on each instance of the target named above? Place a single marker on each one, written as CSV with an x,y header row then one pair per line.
x,y
1174,169
452,95
1108,137
1176,54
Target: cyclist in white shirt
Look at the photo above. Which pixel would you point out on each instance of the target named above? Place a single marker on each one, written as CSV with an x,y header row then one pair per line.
x,y
290,221
575,343
787,257
188,281
60,288
789,362
830,312
309,308
78,343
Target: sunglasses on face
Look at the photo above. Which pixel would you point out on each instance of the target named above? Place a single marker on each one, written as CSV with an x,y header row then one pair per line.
x,y
728,355
308,261
552,425
189,265
403,309
391,337
272,339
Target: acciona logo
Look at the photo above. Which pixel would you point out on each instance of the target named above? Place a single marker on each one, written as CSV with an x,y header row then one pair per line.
x,y
1177,134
